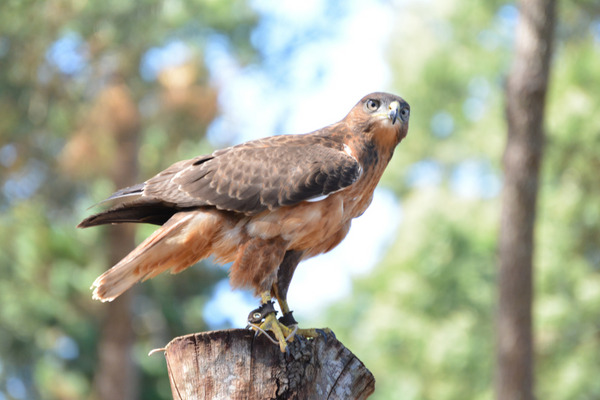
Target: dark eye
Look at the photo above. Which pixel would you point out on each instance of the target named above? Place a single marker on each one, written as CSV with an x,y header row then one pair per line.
x,y
372,105
404,113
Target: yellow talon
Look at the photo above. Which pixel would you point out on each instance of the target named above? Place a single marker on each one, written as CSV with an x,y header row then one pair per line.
x,y
282,333
313,333
263,320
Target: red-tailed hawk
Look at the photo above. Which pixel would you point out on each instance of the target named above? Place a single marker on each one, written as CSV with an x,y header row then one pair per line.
x,y
264,206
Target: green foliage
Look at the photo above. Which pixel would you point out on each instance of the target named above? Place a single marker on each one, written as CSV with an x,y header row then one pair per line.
x,y
53,130
423,321
46,321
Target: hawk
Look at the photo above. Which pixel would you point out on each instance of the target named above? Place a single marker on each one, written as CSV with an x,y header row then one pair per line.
x,y
264,206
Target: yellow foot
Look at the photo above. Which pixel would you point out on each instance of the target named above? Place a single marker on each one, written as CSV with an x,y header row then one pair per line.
x,y
283,334
326,333
288,320
263,320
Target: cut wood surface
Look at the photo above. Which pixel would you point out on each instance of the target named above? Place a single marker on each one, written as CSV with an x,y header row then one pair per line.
x,y
234,364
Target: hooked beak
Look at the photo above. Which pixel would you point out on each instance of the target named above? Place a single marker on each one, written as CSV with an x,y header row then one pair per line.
x,y
394,111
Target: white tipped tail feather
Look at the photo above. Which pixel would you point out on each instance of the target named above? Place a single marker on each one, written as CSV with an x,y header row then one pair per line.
x,y
180,242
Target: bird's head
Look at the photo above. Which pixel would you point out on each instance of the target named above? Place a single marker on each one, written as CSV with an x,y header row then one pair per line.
x,y
381,118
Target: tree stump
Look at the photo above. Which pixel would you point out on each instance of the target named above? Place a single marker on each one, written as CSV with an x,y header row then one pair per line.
x,y
234,364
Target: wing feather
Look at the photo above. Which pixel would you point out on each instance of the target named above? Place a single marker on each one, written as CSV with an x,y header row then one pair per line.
x,y
259,175
248,178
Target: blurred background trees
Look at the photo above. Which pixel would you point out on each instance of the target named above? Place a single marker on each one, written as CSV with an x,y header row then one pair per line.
x,y
86,88
91,89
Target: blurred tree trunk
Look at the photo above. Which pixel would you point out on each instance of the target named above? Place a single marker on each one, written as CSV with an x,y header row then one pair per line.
x,y
525,100
115,377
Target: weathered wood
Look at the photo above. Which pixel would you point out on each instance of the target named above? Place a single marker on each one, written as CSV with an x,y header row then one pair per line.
x,y
234,364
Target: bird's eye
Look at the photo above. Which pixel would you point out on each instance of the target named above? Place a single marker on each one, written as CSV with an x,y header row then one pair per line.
x,y
404,113
372,105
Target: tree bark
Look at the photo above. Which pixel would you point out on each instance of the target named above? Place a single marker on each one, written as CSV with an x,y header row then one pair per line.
x,y
234,364
525,100
116,375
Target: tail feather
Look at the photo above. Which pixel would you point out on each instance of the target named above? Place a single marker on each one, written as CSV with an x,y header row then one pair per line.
x,y
168,248
142,211
134,190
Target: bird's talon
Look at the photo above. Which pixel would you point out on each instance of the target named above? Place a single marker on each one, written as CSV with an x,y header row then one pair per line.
x,y
282,333
323,334
300,338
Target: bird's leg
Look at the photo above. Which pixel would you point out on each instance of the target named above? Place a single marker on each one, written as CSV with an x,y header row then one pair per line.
x,y
282,283
264,319
288,319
